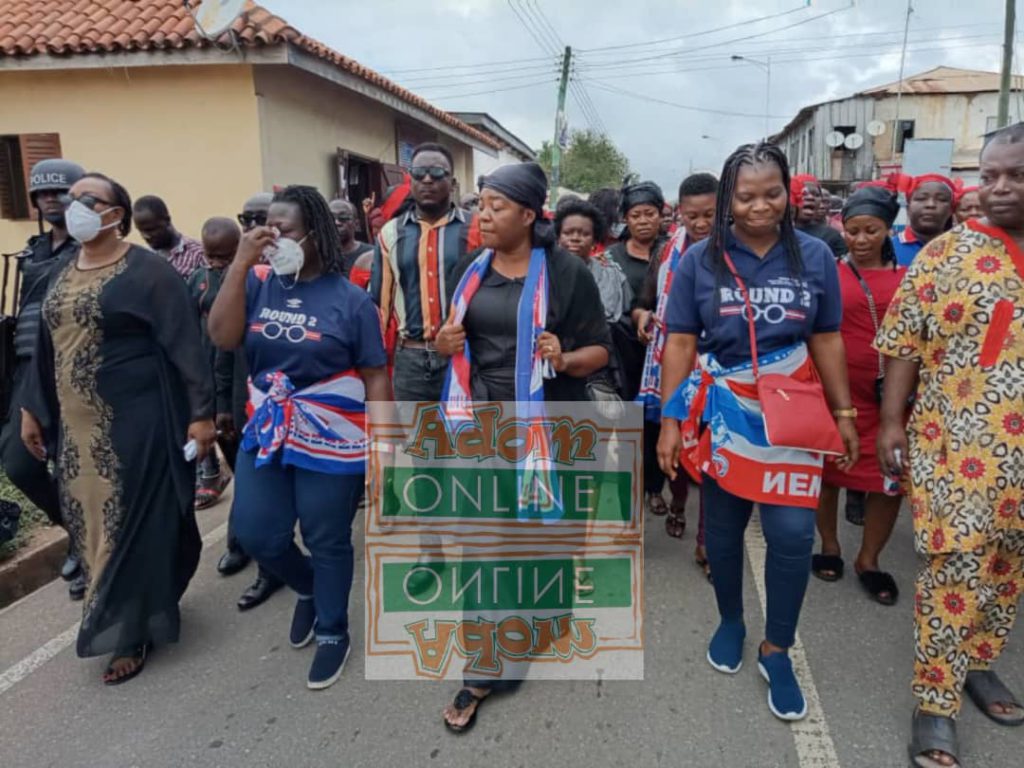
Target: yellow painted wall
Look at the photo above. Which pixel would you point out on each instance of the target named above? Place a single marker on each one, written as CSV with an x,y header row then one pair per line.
x,y
189,134
305,119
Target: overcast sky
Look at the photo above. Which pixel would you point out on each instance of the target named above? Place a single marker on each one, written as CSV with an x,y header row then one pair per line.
x,y
479,55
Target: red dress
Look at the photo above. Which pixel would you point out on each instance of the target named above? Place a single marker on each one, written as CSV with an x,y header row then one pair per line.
x,y
858,333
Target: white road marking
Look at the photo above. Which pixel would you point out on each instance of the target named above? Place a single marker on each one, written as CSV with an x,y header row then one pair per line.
x,y
18,671
814,745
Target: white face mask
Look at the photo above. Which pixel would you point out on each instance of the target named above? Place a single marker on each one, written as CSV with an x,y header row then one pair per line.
x,y
83,223
286,256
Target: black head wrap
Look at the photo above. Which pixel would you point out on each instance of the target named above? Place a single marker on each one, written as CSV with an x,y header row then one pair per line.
x,y
872,201
526,184
880,203
641,193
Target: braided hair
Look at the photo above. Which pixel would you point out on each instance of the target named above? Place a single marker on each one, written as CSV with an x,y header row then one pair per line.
x,y
317,221
761,153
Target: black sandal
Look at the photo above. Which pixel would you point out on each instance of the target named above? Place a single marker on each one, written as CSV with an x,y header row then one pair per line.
x,y
878,583
140,653
675,523
656,504
933,733
463,699
827,567
985,689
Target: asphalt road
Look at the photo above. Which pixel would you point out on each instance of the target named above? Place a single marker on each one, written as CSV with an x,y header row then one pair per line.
x,y
232,692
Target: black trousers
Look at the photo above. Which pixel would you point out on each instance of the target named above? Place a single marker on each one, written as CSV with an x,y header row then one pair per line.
x,y
29,475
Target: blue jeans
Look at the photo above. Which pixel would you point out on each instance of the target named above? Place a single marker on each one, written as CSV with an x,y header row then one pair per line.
x,y
789,533
269,500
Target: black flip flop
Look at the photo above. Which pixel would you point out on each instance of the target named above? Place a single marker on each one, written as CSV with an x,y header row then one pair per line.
x,y
140,653
463,699
933,733
822,563
877,583
985,689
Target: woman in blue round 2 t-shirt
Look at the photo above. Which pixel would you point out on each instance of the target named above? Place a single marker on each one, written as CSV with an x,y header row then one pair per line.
x,y
313,344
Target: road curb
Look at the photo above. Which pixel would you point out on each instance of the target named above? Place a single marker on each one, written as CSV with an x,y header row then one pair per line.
x,y
34,565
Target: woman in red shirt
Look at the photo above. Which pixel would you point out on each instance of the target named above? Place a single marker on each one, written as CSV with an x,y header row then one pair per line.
x,y
868,278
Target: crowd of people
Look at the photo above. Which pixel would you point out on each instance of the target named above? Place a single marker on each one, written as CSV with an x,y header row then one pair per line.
x,y
782,353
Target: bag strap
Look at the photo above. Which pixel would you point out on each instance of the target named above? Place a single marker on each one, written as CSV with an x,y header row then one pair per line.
x,y
750,310
872,308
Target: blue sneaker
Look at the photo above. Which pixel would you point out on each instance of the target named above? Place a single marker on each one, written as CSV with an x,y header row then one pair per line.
x,y
785,699
331,655
725,653
303,623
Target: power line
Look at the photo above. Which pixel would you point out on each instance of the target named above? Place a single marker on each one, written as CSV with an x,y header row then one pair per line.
x,y
464,66
584,52
460,82
543,26
529,28
494,90
685,52
689,107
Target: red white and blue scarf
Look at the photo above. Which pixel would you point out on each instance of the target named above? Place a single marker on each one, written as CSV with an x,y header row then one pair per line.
x,y
723,433
650,383
321,428
531,369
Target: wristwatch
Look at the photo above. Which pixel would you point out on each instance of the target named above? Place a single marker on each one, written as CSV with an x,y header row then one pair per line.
x,y
850,413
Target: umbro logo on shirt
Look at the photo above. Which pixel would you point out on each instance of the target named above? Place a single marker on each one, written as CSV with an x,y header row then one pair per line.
x,y
293,303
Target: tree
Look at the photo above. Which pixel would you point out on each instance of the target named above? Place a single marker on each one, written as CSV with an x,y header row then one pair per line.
x,y
592,161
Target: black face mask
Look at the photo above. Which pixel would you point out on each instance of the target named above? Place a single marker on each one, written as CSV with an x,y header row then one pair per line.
x,y
55,218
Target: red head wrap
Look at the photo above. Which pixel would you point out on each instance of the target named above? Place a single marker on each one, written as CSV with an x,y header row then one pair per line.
x,y
796,188
930,177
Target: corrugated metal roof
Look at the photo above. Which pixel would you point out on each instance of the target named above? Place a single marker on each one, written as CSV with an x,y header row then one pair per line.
x,y
945,80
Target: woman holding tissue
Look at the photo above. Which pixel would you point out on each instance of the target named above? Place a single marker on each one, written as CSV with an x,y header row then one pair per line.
x,y
315,354
120,385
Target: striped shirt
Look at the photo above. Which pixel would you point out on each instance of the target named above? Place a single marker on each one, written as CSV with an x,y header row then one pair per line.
x,y
412,268
186,257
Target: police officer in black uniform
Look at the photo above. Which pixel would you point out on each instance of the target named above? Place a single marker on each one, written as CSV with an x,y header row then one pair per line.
x,y
49,180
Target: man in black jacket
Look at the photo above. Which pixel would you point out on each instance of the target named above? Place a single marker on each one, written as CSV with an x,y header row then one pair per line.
x,y
49,181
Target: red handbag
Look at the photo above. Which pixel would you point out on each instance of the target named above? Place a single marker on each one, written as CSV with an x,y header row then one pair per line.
x,y
796,414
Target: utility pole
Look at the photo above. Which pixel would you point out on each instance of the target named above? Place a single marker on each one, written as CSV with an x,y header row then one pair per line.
x,y
899,86
556,146
1003,118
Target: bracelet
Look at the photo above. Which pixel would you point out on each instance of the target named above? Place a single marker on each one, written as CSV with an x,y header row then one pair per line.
x,y
850,413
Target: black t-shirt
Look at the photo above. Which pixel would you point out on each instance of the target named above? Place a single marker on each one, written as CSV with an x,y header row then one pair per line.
x,y
636,269
348,260
832,238
575,316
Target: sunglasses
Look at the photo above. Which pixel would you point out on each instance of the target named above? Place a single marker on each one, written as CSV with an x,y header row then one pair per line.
x,y
436,172
87,199
249,219
344,219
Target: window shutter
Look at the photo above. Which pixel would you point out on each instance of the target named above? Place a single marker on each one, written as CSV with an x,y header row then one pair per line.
x,y
36,147
10,171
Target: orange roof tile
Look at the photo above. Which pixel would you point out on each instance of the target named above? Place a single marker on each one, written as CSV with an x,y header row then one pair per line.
x,y
73,27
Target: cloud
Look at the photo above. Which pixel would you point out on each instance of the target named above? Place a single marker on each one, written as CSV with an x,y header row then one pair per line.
x,y
453,52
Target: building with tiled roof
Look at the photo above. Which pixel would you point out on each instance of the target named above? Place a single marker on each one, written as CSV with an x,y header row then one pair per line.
x,y
131,88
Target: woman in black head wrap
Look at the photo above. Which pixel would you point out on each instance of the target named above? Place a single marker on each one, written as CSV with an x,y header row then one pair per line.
x,y
575,339
868,278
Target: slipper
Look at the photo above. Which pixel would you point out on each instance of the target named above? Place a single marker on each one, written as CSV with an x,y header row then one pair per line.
x,y
985,689
675,523
463,699
140,653
656,505
933,733
820,564
877,583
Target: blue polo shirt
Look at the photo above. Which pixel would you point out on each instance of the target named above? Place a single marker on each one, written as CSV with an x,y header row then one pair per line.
x,y
309,331
787,309
907,246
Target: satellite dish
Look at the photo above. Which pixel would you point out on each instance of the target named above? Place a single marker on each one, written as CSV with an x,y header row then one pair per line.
x,y
214,17
854,141
876,128
834,139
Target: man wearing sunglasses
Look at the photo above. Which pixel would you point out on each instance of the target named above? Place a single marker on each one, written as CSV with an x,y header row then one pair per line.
x,y
345,222
49,181
230,377
413,262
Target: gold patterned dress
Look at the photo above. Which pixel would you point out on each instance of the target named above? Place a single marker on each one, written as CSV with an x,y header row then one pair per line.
x,y
120,374
959,314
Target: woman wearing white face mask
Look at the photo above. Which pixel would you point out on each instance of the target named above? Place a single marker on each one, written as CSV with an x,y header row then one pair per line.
x,y
120,385
315,354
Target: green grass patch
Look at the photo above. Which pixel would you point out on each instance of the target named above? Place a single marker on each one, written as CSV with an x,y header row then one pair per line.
x,y
31,517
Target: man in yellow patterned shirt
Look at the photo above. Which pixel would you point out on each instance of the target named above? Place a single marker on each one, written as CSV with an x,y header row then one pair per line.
x,y
956,330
